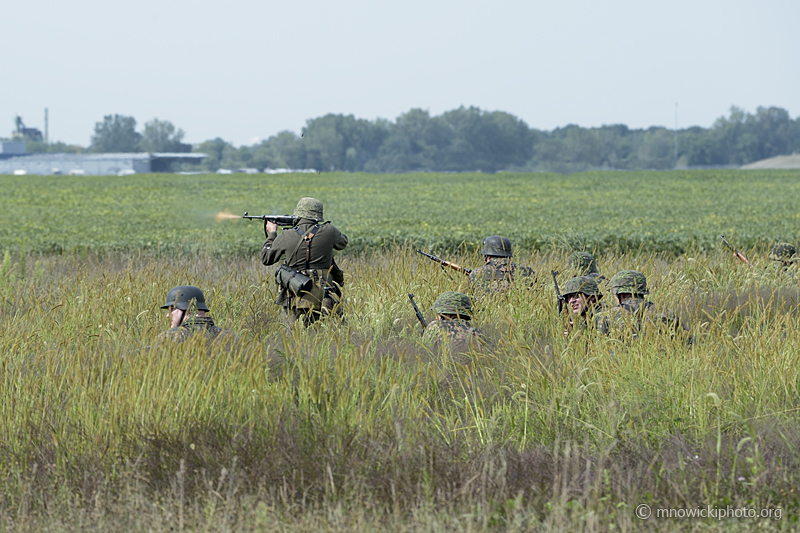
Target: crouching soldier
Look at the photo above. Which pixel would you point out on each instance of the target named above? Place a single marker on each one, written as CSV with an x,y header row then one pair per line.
x,y
584,264
180,301
453,320
583,298
632,314
498,272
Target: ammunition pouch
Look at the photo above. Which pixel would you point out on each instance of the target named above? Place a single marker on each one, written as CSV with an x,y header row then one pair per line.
x,y
293,281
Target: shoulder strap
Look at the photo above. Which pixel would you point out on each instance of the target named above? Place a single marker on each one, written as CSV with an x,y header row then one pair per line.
x,y
299,242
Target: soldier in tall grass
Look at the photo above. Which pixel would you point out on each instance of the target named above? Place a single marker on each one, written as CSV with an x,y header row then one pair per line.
x,y
453,320
498,272
180,300
632,314
584,264
784,256
583,298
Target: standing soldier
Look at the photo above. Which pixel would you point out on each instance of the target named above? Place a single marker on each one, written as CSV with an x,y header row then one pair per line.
x,y
453,316
583,264
498,272
179,300
582,297
307,249
629,288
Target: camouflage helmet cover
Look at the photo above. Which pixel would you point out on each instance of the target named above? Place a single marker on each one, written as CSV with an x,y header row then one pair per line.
x,y
629,282
496,245
582,284
308,208
784,252
583,262
453,303
182,296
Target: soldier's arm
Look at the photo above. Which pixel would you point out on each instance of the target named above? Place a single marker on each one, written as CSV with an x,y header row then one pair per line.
x,y
339,239
271,254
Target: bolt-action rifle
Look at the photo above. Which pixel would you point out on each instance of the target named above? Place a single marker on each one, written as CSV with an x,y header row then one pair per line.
x,y
736,253
559,296
444,263
418,312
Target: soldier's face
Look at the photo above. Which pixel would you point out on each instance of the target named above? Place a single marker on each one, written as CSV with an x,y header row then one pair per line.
x,y
578,302
174,316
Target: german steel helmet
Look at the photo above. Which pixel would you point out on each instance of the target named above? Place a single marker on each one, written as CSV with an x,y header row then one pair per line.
x,y
496,245
453,303
583,262
629,282
182,296
308,208
583,284
784,252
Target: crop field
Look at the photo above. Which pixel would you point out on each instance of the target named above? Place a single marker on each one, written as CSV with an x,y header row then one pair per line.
x,y
648,211
356,424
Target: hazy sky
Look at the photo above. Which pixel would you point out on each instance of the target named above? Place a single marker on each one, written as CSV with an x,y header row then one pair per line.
x,y
244,69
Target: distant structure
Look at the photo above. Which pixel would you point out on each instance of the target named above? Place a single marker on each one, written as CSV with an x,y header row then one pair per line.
x,y
12,161
21,133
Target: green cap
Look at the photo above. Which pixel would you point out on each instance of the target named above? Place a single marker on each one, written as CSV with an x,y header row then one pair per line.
x,y
453,303
783,252
582,284
496,245
182,296
308,208
629,282
583,262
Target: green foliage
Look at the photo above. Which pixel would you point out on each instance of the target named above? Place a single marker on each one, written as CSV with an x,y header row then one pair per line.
x,y
165,214
116,133
162,136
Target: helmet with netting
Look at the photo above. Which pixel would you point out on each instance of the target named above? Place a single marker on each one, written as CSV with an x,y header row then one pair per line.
x,y
308,208
453,303
629,282
182,296
582,284
783,252
496,245
583,263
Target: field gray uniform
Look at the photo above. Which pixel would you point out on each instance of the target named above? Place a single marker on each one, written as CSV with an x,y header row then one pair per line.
x,y
191,326
325,294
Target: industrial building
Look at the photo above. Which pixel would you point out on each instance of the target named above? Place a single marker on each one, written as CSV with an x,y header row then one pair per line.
x,y
14,162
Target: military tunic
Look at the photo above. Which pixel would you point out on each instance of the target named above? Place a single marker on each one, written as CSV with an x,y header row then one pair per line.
x,y
191,326
636,315
325,240
454,330
498,274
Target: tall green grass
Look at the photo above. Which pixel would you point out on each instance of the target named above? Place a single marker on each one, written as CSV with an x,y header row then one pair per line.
x,y
358,426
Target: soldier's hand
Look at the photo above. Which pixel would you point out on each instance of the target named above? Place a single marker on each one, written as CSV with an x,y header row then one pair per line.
x,y
271,227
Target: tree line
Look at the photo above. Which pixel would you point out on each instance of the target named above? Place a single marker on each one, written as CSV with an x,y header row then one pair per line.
x,y
471,139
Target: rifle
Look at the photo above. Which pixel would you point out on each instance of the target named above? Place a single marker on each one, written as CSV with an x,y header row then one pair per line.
x,y
558,292
284,221
736,253
444,263
417,311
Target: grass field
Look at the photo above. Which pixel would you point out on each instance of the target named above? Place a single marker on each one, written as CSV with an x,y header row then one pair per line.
x,y
358,426
649,211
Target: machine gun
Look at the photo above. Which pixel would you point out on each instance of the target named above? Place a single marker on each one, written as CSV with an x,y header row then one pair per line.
x,y
284,221
444,263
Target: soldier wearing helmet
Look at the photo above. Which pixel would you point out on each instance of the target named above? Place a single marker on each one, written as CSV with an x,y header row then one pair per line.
x,y
784,256
180,303
584,264
629,288
307,248
453,317
582,297
498,272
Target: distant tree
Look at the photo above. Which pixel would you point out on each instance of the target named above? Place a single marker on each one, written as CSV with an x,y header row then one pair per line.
x,y
116,133
161,136
214,149
39,147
